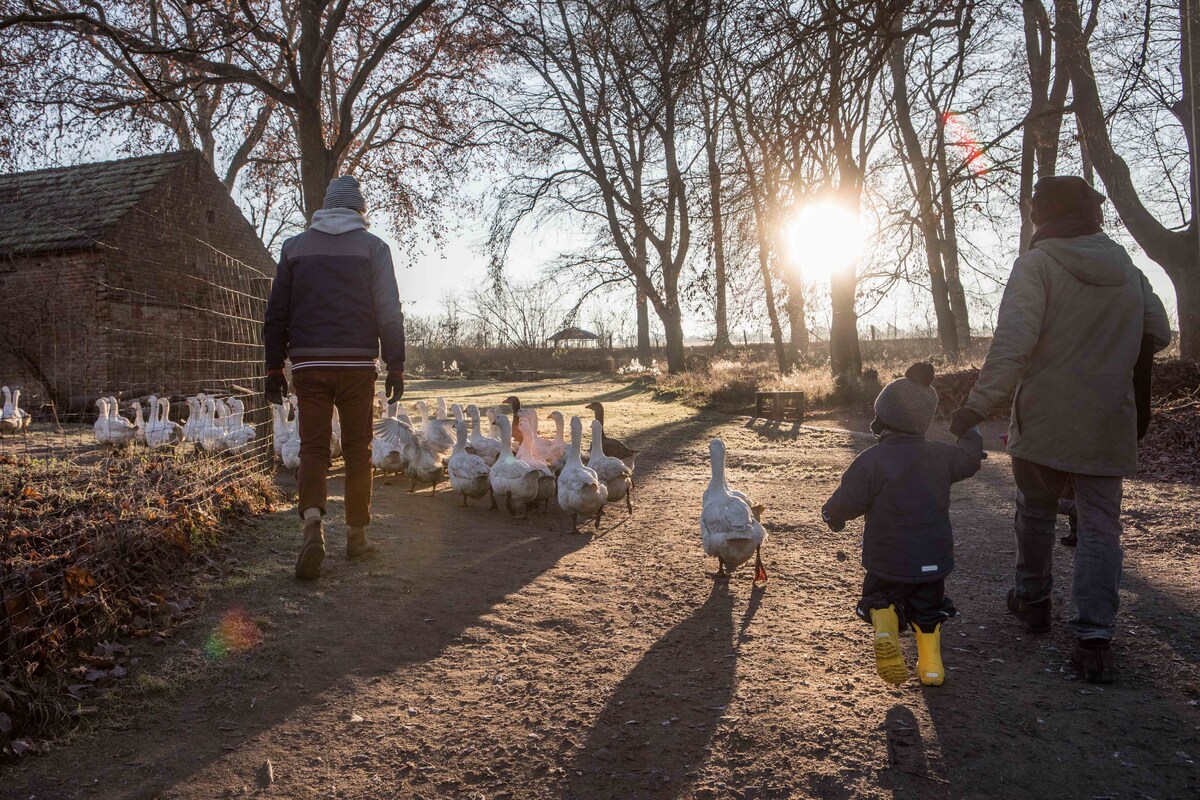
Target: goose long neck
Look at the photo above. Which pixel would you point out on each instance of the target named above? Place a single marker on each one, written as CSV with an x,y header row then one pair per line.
x,y
460,437
575,457
717,453
597,447
505,435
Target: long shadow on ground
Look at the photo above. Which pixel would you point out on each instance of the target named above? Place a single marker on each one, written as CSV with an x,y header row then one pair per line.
x,y
657,724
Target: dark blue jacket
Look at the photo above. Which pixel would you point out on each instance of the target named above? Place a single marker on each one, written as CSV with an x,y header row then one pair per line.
x,y
334,296
902,485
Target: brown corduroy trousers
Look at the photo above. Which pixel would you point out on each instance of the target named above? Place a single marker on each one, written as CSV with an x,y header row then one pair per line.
x,y
353,392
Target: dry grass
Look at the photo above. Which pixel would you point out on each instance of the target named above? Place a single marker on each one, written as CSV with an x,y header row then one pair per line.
x,y
90,550
729,384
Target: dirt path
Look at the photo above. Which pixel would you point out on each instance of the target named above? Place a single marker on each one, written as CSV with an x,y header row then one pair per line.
x,y
484,657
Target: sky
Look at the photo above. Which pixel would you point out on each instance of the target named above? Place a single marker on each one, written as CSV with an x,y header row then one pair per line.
x,y
462,264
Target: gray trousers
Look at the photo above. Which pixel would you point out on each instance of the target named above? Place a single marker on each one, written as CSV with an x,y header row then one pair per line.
x,y
1097,557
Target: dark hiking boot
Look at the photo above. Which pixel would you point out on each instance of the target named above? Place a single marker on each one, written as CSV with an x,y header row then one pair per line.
x,y
1095,660
312,551
1034,616
358,545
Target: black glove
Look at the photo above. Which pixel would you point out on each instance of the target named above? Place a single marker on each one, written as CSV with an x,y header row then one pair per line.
x,y
962,420
836,527
276,386
394,386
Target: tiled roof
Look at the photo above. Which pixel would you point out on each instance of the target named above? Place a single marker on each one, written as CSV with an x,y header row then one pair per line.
x,y
71,208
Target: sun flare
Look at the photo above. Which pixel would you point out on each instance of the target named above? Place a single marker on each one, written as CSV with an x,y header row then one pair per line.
x,y
824,237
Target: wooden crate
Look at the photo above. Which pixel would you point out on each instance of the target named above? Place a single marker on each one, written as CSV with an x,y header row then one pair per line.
x,y
779,405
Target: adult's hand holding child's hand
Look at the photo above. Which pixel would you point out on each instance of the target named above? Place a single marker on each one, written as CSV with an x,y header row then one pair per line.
x,y
962,420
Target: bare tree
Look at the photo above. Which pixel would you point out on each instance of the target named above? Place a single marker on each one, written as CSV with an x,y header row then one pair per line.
x,y
356,86
1176,248
607,95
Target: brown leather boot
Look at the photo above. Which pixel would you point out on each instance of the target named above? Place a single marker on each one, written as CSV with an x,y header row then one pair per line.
x,y
1034,616
312,551
1095,660
358,545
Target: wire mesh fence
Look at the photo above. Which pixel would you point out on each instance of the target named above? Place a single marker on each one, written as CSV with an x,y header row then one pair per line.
x,y
131,359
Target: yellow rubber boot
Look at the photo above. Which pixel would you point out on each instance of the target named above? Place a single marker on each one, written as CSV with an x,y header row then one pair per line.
x,y
889,662
929,656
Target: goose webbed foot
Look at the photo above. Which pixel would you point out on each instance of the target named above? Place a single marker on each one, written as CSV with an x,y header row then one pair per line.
x,y
760,572
720,576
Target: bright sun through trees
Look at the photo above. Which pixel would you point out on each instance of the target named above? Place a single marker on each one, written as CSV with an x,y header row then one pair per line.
x,y
823,237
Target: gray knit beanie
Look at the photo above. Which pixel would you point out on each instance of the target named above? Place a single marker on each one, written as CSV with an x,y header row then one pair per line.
x,y
343,192
908,404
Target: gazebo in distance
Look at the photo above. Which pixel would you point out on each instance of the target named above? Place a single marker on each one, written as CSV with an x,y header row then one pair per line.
x,y
574,337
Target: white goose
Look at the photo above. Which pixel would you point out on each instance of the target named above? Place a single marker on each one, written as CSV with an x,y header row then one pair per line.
x,y
612,471
100,428
486,447
118,431
558,451
514,480
729,524
173,431
138,421
335,434
422,464
189,425
279,426
579,488
435,433
12,418
542,448
289,454
387,447
210,432
468,472
238,435
526,452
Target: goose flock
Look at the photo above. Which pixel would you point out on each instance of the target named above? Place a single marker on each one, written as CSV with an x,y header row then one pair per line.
x,y
518,468
513,466
214,425
12,418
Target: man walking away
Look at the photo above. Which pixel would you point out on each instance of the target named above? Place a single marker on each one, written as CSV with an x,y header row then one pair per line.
x,y
334,300
1072,322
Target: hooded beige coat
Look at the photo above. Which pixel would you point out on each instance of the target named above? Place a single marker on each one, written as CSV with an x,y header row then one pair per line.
x,y
1070,328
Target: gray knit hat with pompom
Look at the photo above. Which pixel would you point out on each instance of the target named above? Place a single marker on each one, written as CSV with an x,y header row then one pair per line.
x,y
908,404
343,192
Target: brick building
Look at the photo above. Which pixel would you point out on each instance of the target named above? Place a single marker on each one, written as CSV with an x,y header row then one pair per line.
x,y
127,277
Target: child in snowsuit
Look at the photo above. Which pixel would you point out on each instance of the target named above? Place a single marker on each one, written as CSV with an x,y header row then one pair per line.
x,y
902,486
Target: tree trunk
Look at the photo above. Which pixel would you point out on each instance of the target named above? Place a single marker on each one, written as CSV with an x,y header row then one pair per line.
x,y
948,252
673,328
797,323
644,354
721,312
927,214
845,354
764,268
1178,252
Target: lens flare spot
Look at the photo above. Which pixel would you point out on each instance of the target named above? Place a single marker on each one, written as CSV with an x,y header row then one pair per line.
x,y
960,134
236,633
